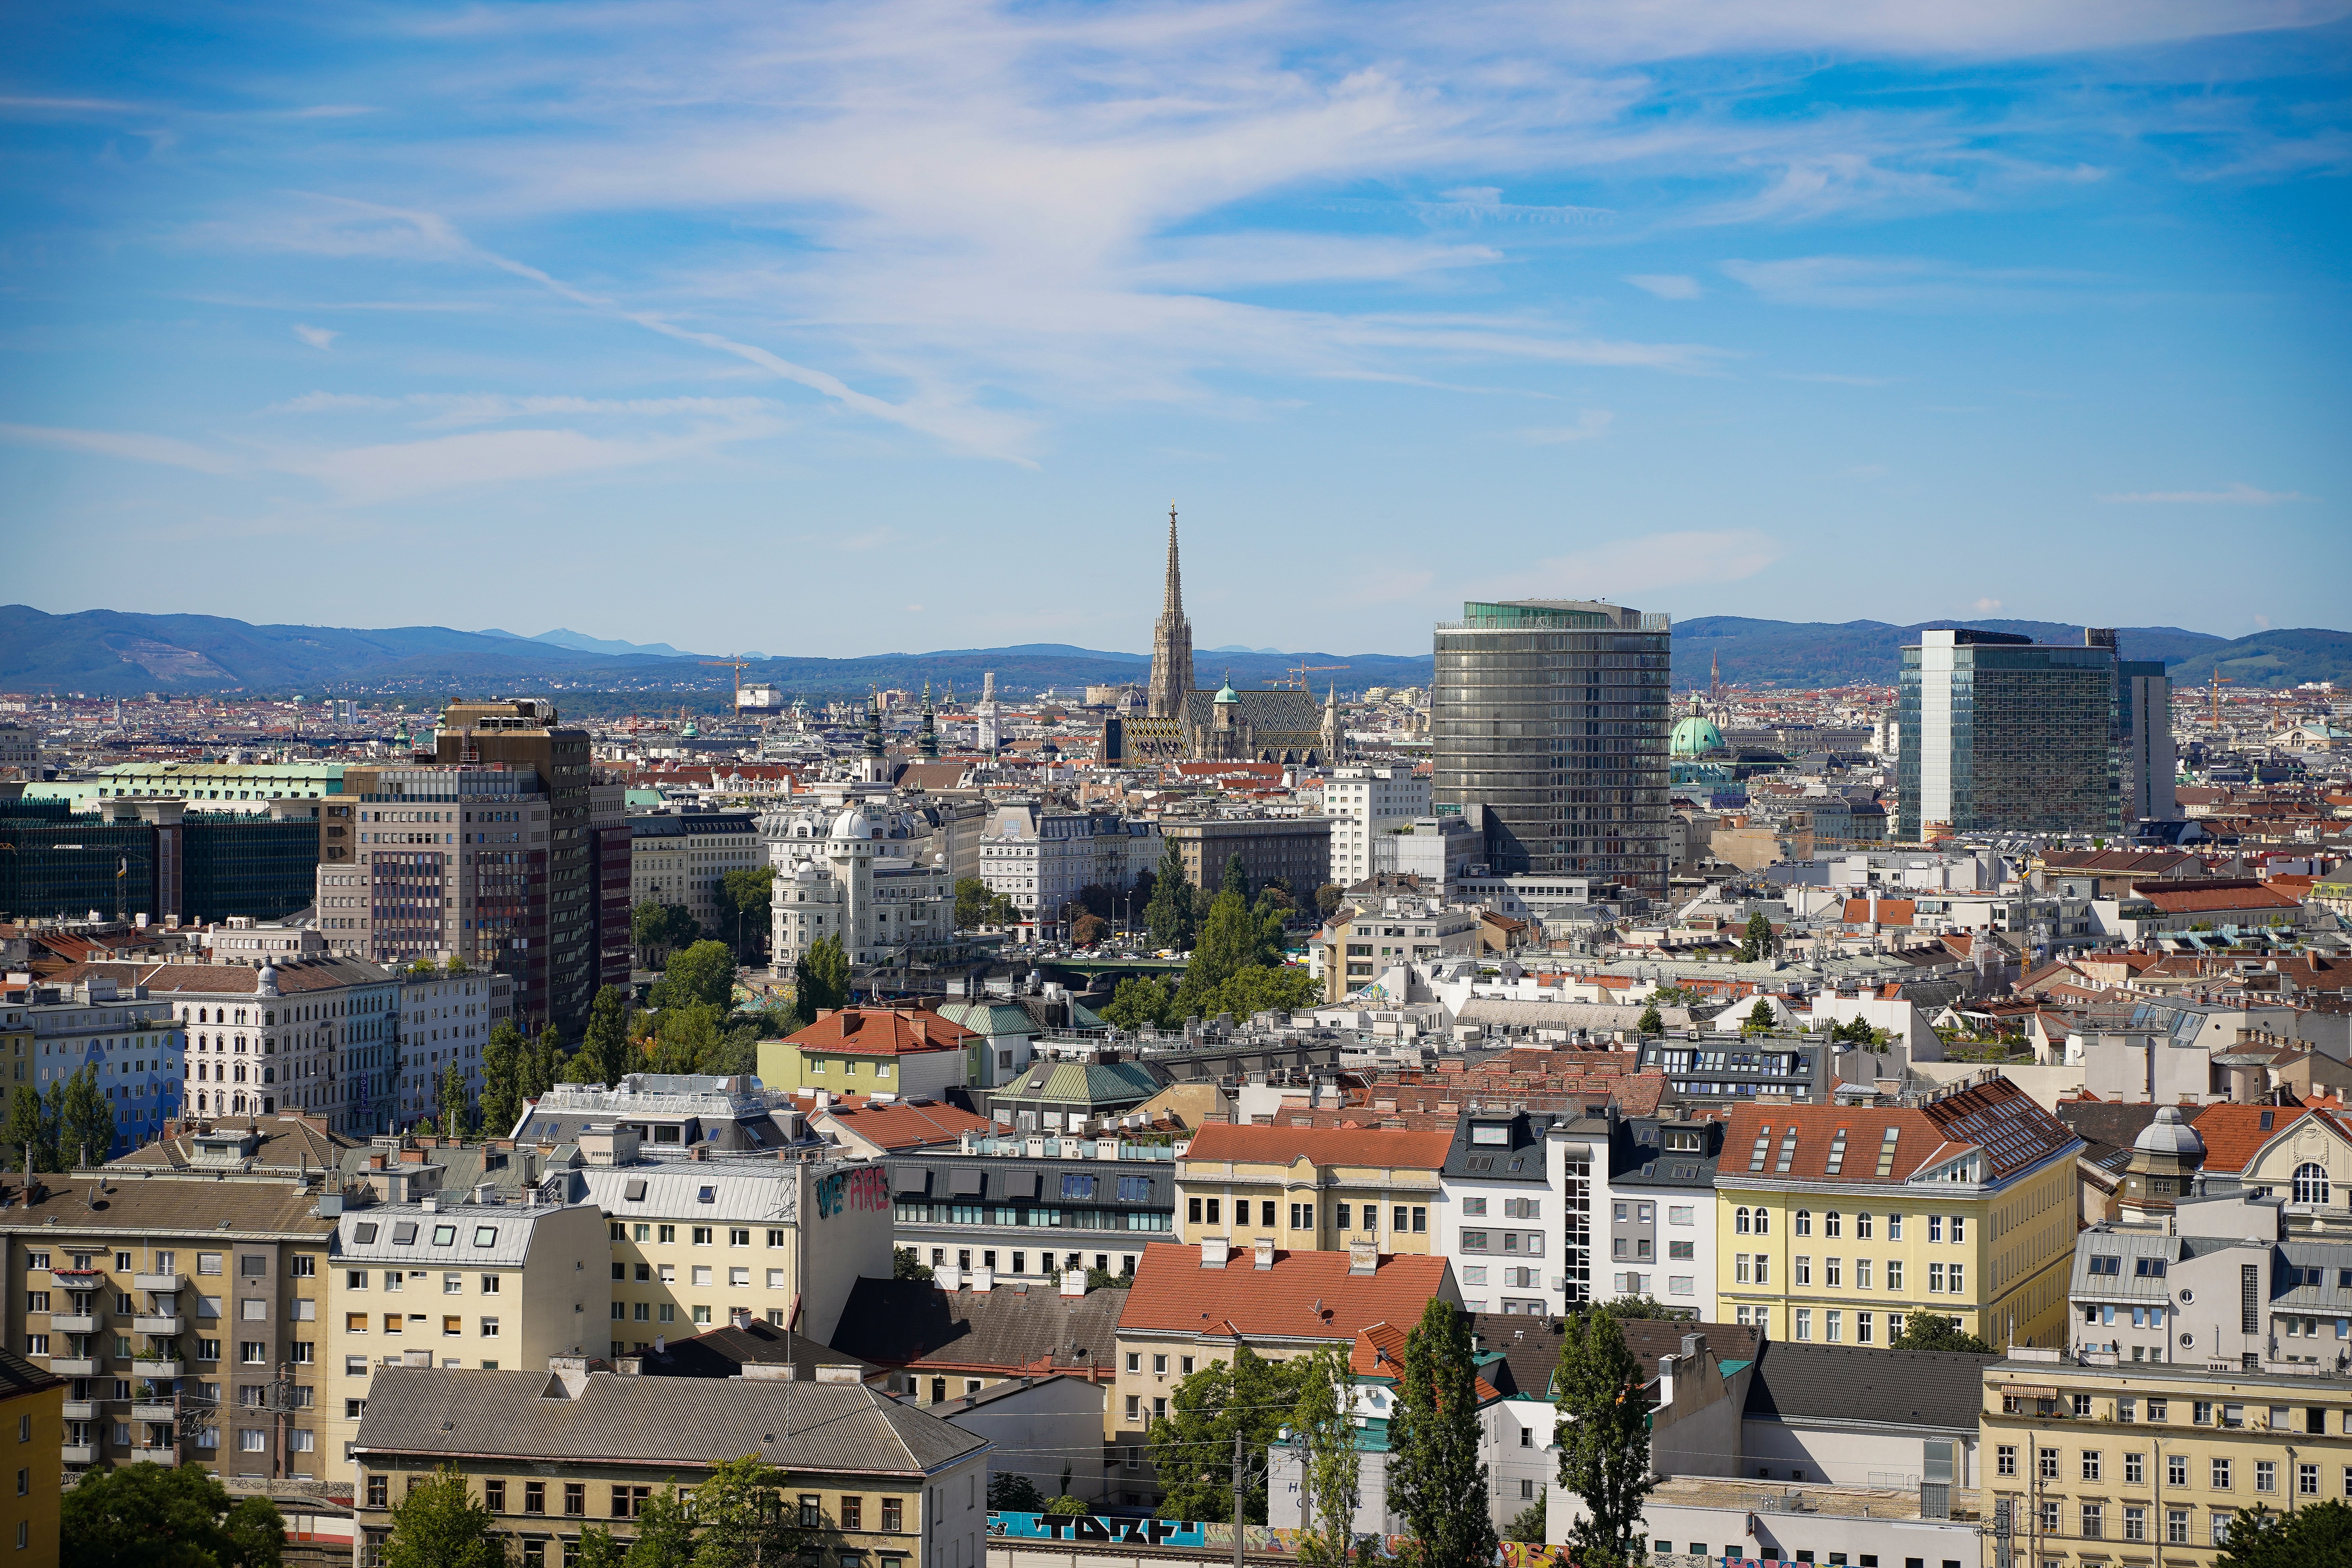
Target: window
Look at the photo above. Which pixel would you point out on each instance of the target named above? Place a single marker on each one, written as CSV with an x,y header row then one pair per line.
x,y
2220,1476
2311,1183
494,1495
2095,1520
2176,1470
2176,1526
2266,1475
2005,1459
1803,1223
2135,1470
812,1511
379,1491
534,1496
2046,1462
2090,1464
2307,1480
702,1235
1894,1275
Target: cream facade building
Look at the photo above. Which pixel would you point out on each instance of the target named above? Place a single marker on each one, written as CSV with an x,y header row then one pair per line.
x,y
858,872
1312,1188
1362,802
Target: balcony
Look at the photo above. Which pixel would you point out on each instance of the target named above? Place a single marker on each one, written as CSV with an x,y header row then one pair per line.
x,y
79,1453
150,1409
161,1328
169,1456
144,1367
74,1366
162,1284
75,1323
82,1410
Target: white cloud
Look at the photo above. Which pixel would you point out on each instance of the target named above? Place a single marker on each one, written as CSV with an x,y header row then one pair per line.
x,y
317,337
366,476
1622,566
2239,494
1590,425
1665,285
1985,607
130,445
1880,282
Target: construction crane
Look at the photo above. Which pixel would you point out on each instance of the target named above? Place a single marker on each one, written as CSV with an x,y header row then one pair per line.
x,y
1299,672
738,667
2220,681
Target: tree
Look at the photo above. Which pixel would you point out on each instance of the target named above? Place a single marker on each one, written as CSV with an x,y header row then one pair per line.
x,y
1068,1506
1192,1448
749,892
439,1524
1141,999
1435,1481
686,1038
606,1045
1330,1466
1169,915
1760,1017
742,1522
1934,1332
152,1516
2317,1535
542,1067
1259,989
970,902
665,1532
1527,1524
1757,944
502,1062
1624,1307
1603,1436
1236,878
1015,1493
654,928
1089,929
906,1264
820,980
599,1550
31,1130
703,972
85,1119
1234,939
1329,898
457,1104
1651,1022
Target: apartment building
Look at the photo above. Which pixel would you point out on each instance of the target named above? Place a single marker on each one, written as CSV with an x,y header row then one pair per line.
x,y
1660,1213
185,1310
1836,1222
444,1020
1192,1306
471,1281
1363,802
32,1418
1358,946
683,857
1312,1188
692,1243
551,1450
125,1036
1495,1212
1296,848
1041,859
876,1050
1020,1209
2099,1459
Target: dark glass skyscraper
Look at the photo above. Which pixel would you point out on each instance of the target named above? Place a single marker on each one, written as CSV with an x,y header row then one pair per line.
x,y
2001,734
1549,718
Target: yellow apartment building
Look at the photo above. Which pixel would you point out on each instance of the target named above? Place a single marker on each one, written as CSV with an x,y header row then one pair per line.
x,y
1311,1188
2143,1462
32,1425
1837,1224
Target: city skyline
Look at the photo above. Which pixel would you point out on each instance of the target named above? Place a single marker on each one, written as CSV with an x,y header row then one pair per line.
x,y
454,317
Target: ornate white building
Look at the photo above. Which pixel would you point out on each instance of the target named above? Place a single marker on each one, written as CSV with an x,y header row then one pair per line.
x,y
860,872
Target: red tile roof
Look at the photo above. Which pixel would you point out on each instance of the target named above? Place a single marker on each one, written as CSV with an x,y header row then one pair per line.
x,y
1379,1352
1173,1293
2198,897
1325,1146
2234,1134
903,1125
1998,1118
1891,911
883,1032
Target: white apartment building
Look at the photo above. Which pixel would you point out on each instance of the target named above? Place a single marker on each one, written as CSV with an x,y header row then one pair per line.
x,y
1040,860
1363,802
682,857
444,1020
1498,1220
858,873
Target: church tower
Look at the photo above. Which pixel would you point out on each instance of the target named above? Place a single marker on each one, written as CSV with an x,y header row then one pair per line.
x,y
1171,641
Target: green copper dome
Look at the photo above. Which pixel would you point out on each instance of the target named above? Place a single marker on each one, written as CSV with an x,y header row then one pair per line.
x,y
1696,736
1226,693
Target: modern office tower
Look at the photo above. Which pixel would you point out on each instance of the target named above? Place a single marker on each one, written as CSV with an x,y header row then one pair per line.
x,y
523,732
2001,734
2144,710
1550,720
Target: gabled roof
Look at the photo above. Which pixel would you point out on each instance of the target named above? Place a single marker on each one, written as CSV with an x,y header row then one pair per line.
x,y
1006,1330
883,1032
836,1428
163,979
1798,1383
1529,1346
287,1143
2213,896
2234,1134
1379,1352
725,1351
1996,1119
1392,1148
903,1125
1174,1294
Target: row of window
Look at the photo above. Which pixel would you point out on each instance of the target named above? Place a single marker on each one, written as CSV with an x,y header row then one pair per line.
x,y
1943,1279
1405,1217
630,1502
2220,1473
1832,1322
249,1265
1759,1222
701,1235
452,1284
252,1353
1030,1216
452,1324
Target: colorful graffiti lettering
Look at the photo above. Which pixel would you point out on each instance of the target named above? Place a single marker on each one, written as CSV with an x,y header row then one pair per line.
x,y
1536,1554
866,1188
1096,1527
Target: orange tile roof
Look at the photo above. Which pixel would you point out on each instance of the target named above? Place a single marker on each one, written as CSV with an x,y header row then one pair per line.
x,y
2198,898
2234,1134
905,1125
1891,911
1174,1294
1379,1352
883,1032
1998,1118
1325,1146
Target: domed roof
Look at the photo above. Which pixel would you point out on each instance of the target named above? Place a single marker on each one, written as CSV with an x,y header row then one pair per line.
x,y
2169,1133
851,824
1696,736
1226,693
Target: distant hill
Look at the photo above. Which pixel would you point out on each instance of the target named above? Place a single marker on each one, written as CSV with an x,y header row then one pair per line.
x,y
1816,653
2273,658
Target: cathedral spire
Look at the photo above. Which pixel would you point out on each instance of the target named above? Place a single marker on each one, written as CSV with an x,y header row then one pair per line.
x,y
1171,641
1171,602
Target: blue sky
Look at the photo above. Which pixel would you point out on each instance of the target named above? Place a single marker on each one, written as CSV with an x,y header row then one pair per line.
x,y
843,329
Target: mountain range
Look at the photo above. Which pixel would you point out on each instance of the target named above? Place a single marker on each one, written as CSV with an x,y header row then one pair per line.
x,y
109,652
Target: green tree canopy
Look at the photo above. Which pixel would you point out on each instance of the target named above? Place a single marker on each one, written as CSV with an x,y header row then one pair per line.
x,y
1323,1427
31,1130
456,1105
1760,1017
152,1516
2317,1535
1089,929
1169,915
1193,1448
971,898
440,1524
1235,938
1435,1480
85,1119
604,1046
748,894
1260,988
1602,1436
1329,898
1934,1332
502,1064
1651,1022
1236,878
703,972
742,1521
1756,944
1141,999
904,1263
820,980
1014,1493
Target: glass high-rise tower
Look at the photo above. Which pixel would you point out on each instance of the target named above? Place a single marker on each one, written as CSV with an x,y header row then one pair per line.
x,y
1550,720
2001,734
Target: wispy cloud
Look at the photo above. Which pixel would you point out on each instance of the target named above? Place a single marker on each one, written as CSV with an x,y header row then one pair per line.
x,y
1665,285
2240,494
1591,424
1649,561
130,445
317,337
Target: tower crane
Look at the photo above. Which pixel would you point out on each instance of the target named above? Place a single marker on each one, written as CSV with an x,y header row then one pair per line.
x,y
738,667
1299,672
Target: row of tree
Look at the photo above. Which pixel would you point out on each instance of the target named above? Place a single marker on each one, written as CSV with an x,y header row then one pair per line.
x,y
746,898
1237,964
73,1123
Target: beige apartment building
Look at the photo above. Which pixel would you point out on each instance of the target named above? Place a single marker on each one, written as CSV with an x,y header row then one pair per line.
x,y
1311,1188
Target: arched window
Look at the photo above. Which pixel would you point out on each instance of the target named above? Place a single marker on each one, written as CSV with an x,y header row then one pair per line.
x,y
1763,1221
1830,1225
1804,1222
1739,1220
2310,1183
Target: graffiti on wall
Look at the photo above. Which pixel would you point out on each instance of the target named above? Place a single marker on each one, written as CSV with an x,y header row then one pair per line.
x,y
865,1188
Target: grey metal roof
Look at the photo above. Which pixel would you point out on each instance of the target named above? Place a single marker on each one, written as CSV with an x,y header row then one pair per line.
x,y
1639,1158
1519,1158
843,1428
1009,1328
1858,1386
696,1190
450,1234
946,1175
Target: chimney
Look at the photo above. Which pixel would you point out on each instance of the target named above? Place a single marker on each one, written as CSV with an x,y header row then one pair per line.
x,y
983,1280
1265,1249
1073,1282
947,1276
1212,1251
770,1372
1363,1257
1666,1364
